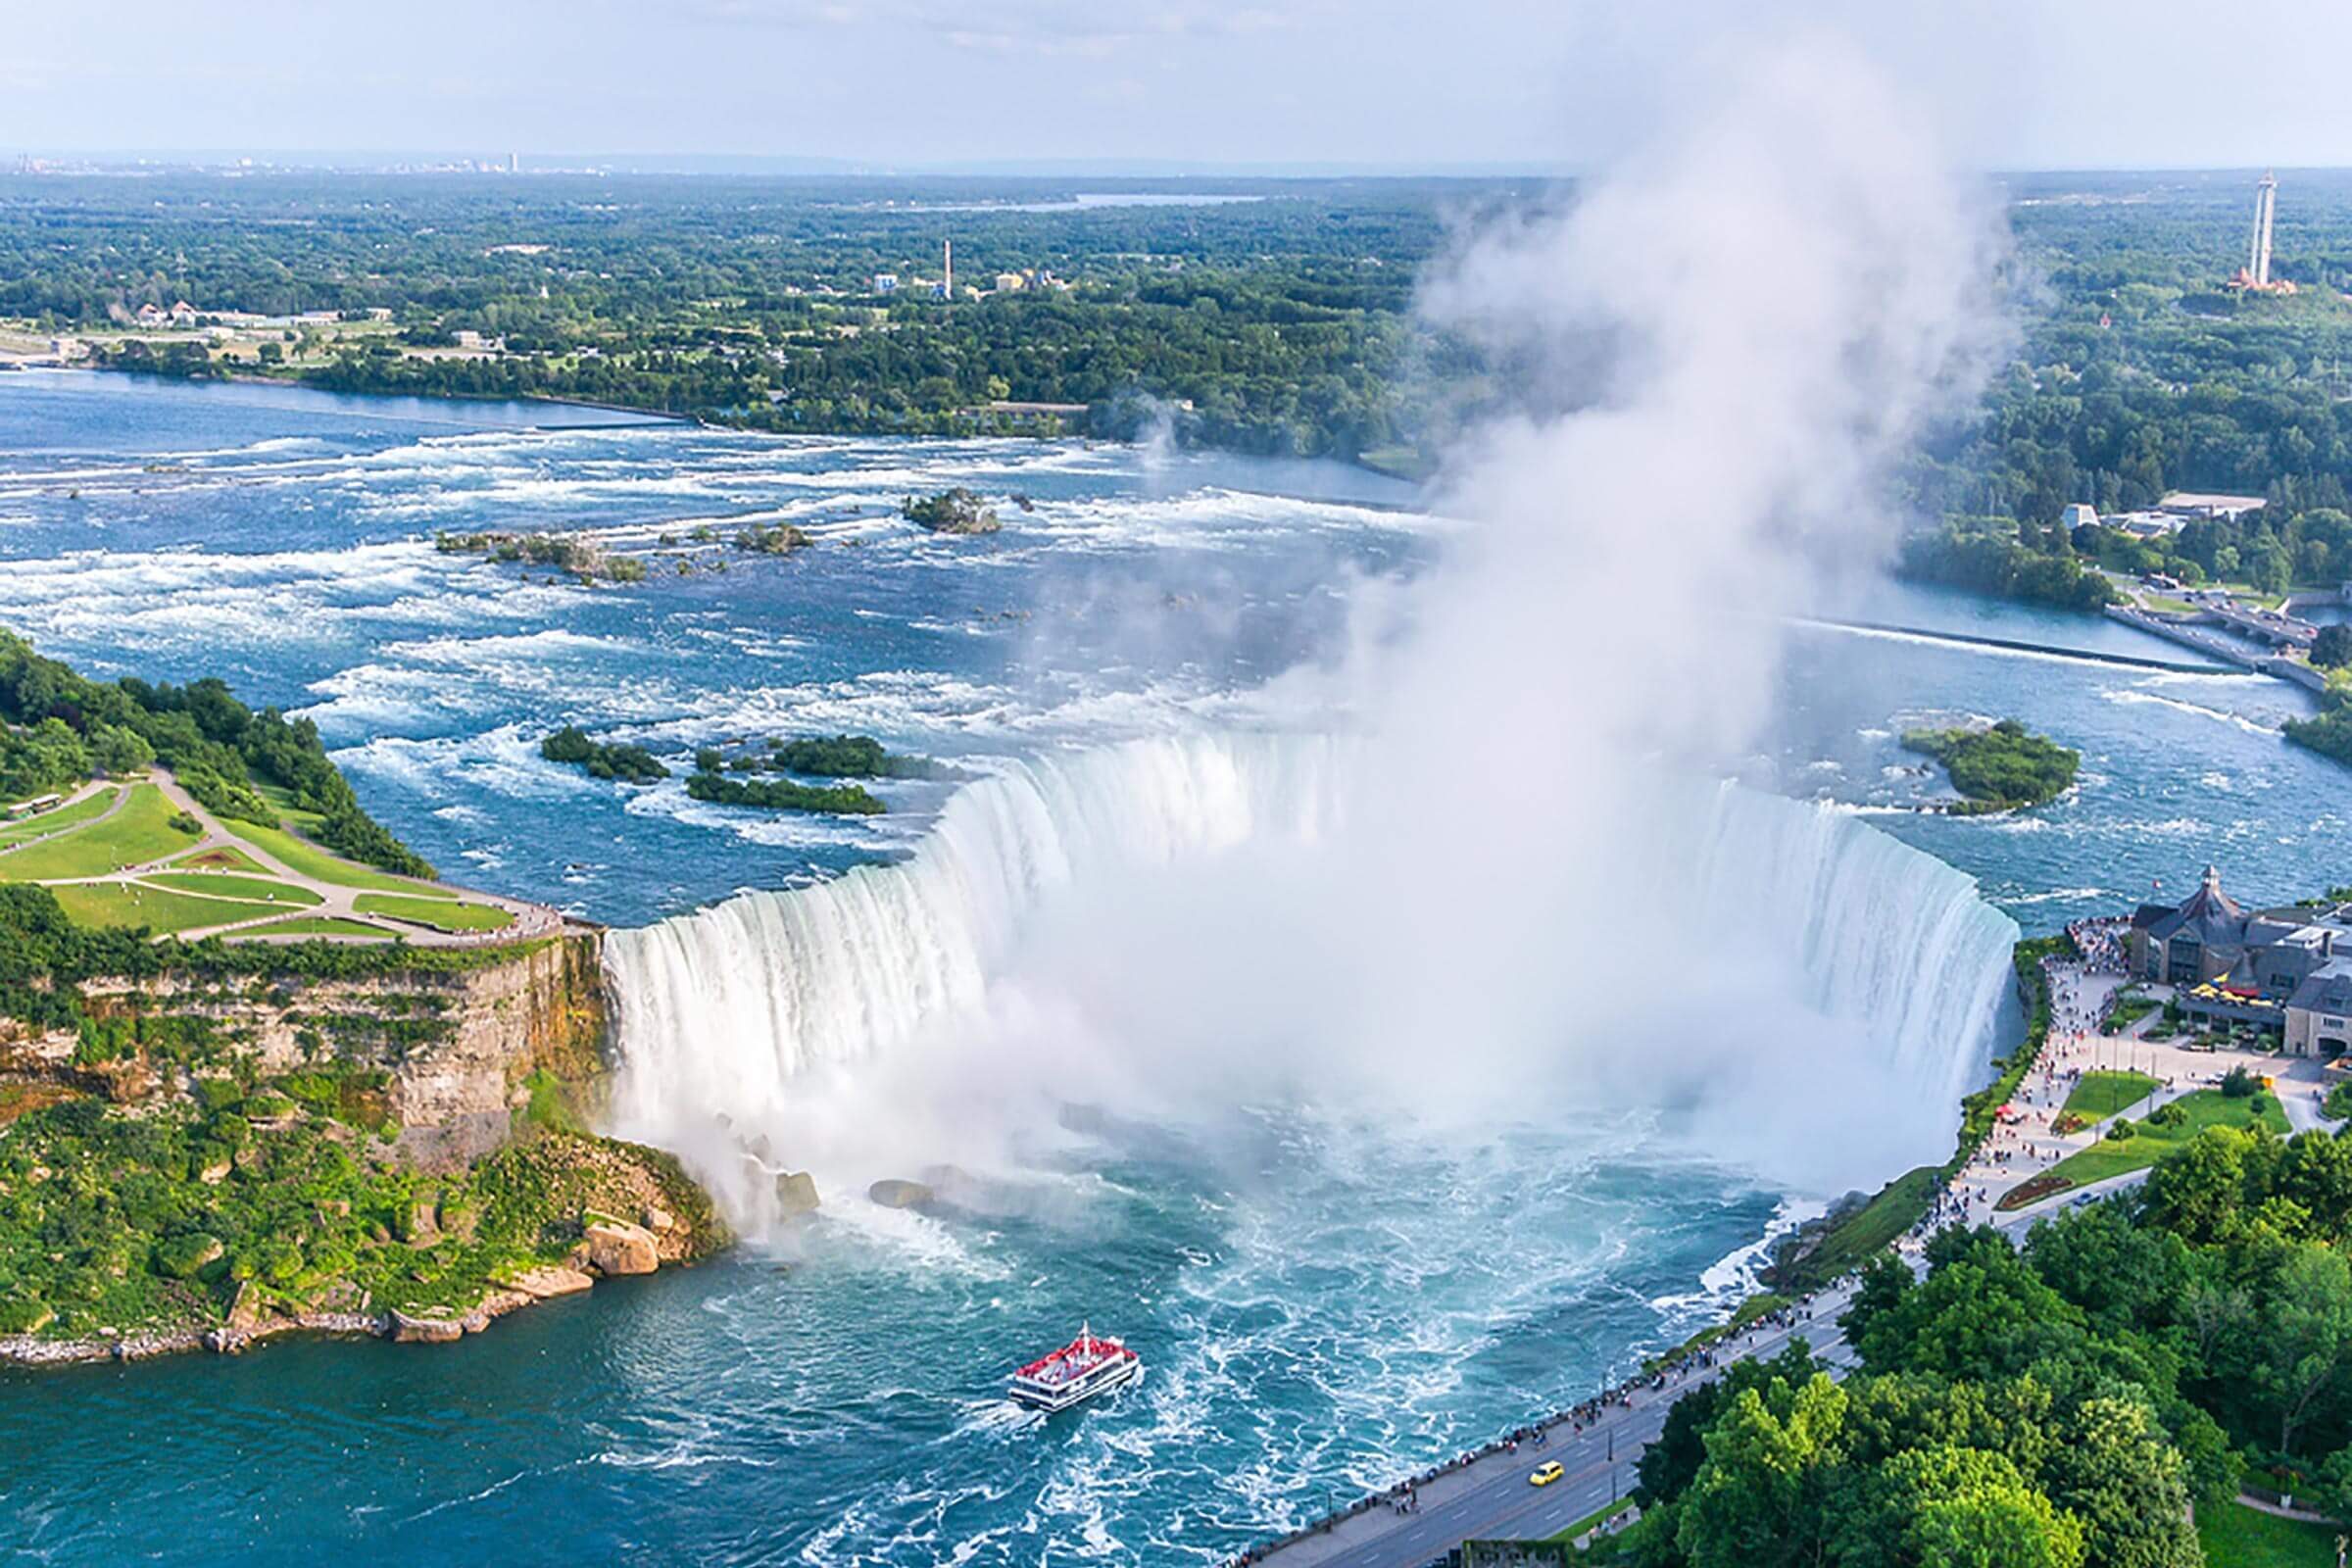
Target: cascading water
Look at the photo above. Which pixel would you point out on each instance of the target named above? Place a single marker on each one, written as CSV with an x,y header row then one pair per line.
x,y
1888,935
1885,967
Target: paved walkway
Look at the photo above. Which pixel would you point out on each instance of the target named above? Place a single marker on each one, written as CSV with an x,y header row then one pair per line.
x,y
335,902
123,793
2030,1144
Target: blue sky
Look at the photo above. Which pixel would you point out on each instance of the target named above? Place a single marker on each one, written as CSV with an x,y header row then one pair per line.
x,y
1386,83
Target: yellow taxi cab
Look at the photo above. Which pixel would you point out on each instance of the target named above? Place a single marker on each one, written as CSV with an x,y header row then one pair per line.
x,y
1545,1474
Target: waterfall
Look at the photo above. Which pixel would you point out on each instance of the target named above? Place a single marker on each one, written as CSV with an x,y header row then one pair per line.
x,y
730,1016
1884,933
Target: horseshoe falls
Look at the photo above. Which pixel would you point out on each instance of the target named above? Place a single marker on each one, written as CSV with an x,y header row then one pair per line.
x,y
1810,951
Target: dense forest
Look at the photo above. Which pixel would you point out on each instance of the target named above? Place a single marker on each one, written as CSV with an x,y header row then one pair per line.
x,y
2138,373
1281,324
2063,1405
1279,321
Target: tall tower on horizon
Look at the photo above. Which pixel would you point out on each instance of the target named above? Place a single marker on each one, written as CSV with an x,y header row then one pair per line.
x,y
2266,209
947,262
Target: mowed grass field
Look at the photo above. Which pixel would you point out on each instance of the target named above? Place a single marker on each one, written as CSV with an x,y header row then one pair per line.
x,y
139,832
221,857
317,925
116,904
2207,1107
223,885
33,827
440,914
300,854
2102,1094
2235,1536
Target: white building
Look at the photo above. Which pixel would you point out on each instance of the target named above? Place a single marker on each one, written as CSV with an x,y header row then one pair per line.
x,y
2146,524
2198,504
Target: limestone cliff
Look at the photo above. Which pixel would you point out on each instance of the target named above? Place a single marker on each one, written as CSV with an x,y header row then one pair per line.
x,y
456,1047
401,1150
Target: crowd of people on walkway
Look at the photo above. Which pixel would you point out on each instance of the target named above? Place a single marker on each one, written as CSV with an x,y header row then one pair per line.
x,y
2100,943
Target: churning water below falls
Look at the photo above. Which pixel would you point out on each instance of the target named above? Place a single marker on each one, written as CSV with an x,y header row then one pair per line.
x,y
1057,982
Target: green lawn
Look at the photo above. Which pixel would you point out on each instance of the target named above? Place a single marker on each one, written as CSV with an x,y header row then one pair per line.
x,y
2101,1095
221,857
225,885
97,903
440,915
318,925
141,832
1872,1228
301,855
33,827
2235,1536
2207,1107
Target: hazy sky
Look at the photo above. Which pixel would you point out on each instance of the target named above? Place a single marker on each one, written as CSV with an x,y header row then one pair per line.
x,y
1384,82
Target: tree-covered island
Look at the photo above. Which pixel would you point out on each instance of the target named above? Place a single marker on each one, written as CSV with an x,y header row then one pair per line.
x,y
715,779
2002,768
631,764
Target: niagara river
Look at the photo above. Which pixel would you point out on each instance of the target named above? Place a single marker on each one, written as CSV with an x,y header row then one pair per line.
x,y
1327,1293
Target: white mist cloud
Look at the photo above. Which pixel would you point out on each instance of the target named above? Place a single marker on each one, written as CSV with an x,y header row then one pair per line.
x,y
1731,334
1513,893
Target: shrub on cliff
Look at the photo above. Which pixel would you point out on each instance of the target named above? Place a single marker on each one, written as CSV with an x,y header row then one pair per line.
x,y
182,1257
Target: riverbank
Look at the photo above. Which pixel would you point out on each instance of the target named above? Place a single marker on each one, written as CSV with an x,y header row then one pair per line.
x,y
385,1256
633,415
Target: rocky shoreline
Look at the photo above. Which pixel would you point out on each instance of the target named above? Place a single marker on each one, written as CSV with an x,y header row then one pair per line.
x,y
608,1248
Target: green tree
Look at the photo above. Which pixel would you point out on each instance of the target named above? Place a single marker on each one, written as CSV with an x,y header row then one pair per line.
x,y
1756,1501
2114,1471
2306,1336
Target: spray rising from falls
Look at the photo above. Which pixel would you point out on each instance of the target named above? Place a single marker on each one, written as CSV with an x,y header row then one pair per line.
x,y
1510,891
1784,960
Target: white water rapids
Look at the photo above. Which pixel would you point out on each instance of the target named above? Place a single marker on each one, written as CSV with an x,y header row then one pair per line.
x,y
1781,970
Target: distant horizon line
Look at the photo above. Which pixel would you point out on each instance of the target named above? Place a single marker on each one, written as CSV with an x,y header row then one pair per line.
x,y
365,161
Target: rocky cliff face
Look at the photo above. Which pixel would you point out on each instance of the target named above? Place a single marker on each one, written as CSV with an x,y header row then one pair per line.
x,y
455,1049
404,1154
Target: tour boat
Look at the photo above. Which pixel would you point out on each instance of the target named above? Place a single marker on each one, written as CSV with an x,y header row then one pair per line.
x,y
1086,1366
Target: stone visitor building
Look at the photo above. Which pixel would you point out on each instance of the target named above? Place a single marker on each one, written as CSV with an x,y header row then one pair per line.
x,y
2289,969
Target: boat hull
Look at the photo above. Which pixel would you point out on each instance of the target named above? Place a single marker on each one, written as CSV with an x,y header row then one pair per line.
x,y
1069,1397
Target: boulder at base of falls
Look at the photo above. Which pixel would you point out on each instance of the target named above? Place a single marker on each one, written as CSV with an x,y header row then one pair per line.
x,y
796,1194
896,1193
616,1247
403,1329
539,1284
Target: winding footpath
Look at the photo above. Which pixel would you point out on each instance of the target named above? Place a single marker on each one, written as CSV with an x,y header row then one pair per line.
x,y
333,900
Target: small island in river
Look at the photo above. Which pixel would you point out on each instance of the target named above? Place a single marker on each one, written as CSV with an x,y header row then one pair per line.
x,y
2003,767
956,510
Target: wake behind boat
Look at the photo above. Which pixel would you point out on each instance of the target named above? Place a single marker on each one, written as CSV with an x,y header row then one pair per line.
x,y
1086,1366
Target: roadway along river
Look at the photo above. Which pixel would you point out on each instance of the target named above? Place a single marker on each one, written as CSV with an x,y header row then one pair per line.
x,y
1493,1500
